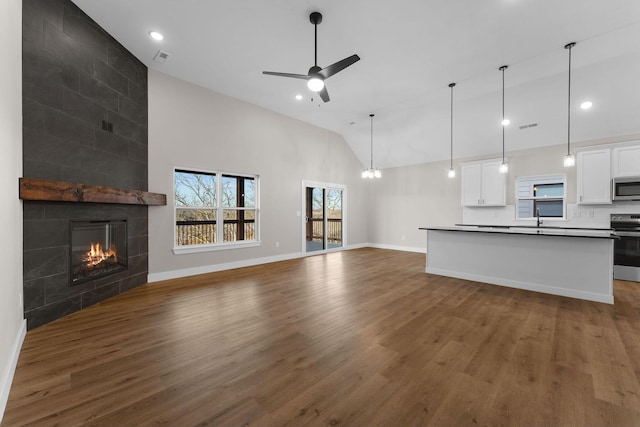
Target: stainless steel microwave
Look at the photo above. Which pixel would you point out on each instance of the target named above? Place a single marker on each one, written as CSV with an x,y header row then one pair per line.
x,y
627,188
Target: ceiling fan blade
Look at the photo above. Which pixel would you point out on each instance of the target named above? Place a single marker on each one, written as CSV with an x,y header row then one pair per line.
x,y
293,76
339,66
324,94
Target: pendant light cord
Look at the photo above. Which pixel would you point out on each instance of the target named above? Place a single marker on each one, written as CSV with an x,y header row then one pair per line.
x,y
451,85
371,115
504,67
569,46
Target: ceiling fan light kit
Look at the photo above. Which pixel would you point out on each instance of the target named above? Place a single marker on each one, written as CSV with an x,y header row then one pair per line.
x,y
316,75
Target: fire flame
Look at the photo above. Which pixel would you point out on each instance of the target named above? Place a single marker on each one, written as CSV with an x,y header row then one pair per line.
x,y
97,255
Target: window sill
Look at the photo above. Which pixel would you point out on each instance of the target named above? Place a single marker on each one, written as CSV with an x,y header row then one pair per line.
x,y
219,247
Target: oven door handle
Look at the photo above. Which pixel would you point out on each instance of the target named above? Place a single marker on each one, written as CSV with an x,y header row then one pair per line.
x,y
627,233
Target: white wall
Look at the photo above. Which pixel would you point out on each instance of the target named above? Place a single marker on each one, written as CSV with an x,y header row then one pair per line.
x,y
421,195
193,127
409,197
11,318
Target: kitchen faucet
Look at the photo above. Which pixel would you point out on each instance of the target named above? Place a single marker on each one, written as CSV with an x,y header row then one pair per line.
x,y
538,222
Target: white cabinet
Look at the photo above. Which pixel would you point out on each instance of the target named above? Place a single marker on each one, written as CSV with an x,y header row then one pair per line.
x,y
594,177
626,161
483,184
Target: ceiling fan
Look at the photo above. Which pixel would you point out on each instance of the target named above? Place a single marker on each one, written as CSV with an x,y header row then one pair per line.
x,y
316,76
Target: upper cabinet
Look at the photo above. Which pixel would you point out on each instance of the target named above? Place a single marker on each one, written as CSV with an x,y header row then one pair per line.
x,y
483,184
594,176
626,161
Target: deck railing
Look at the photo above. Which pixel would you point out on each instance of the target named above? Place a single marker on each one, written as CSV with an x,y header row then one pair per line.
x,y
334,229
205,232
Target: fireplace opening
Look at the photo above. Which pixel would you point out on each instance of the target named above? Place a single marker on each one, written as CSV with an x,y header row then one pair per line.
x,y
98,248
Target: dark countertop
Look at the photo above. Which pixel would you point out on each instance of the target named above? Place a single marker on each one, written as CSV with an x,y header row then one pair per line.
x,y
592,233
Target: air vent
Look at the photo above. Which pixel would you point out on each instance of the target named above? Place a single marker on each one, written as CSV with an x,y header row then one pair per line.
x,y
161,56
530,125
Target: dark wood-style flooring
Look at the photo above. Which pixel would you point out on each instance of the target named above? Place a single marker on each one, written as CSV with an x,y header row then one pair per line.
x,y
355,338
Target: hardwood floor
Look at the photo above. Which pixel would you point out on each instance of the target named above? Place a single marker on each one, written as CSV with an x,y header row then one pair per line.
x,y
355,338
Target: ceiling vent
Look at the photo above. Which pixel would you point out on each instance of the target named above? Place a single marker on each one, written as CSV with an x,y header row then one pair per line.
x,y
530,125
161,56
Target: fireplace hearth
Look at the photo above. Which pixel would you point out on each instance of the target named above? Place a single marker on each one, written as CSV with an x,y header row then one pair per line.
x,y
98,248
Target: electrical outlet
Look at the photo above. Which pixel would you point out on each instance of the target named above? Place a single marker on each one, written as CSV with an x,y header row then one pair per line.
x,y
297,213
277,244
403,237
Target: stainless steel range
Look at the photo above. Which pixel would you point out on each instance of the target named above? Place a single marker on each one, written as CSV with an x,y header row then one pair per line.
x,y
626,255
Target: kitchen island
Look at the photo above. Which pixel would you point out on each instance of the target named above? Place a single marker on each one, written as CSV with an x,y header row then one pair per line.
x,y
570,262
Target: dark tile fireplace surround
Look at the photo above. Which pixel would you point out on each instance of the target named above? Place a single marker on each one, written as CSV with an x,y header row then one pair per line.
x,y
84,121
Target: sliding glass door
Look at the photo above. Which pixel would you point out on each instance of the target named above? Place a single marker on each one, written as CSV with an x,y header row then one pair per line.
x,y
323,218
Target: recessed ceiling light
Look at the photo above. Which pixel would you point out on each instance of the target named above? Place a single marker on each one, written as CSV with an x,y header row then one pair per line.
x,y
156,35
299,97
505,122
586,105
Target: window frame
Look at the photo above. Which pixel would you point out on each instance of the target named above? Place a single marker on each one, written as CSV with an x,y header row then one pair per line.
x,y
220,244
560,178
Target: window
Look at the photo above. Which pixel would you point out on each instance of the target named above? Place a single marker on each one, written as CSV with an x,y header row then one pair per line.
x,y
543,194
214,209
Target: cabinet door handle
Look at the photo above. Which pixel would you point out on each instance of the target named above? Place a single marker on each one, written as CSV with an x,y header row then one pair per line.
x,y
580,198
479,201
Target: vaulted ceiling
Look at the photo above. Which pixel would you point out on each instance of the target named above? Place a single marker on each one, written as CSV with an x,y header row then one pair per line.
x,y
411,50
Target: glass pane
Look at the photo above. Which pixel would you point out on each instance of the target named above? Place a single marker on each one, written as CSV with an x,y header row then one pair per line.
x,y
334,218
249,225
249,192
195,189
548,190
314,228
195,215
318,203
239,225
549,208
195,226
230,214
229,191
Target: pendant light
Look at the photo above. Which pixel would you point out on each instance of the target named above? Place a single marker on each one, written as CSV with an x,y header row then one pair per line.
x,y
452,171
504,168
569,159
371,172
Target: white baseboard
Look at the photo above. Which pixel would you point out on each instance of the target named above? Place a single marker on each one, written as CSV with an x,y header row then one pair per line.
x,y
398,248
358,246
10,369
529,286
175,274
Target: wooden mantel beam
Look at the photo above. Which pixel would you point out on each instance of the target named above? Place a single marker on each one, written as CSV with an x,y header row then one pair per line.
x,y
61,191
